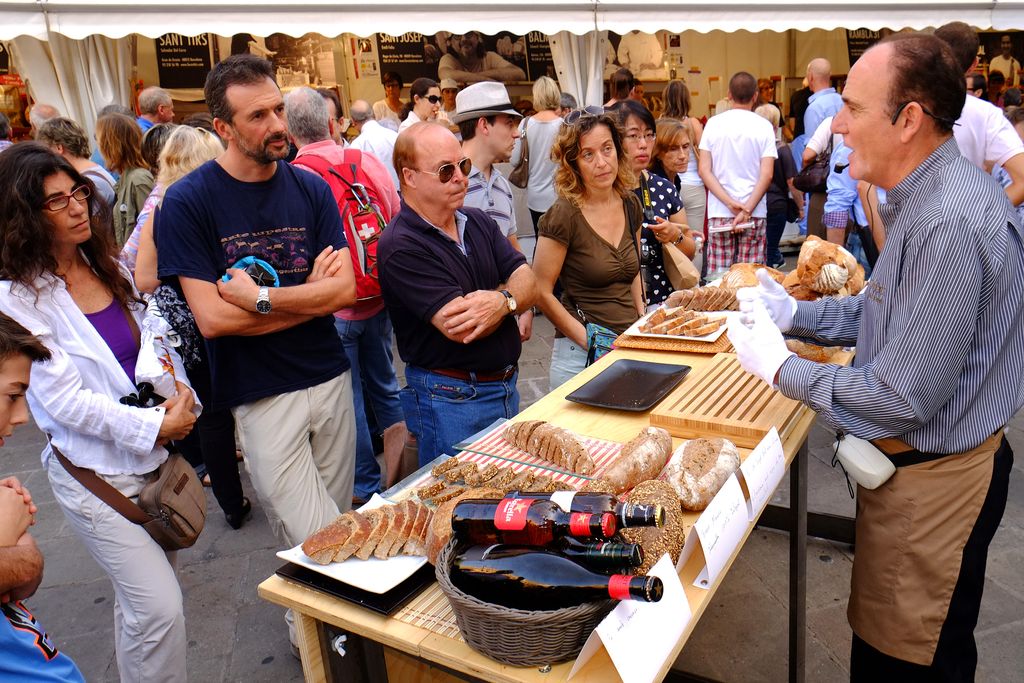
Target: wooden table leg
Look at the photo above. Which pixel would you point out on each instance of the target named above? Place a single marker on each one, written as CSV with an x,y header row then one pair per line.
x,y
310,648
798,566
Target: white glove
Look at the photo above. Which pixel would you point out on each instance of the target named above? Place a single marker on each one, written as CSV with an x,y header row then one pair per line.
x,y
759,344
781,306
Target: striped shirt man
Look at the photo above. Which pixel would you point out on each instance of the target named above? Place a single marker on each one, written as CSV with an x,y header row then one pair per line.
x,y
938,330
493,196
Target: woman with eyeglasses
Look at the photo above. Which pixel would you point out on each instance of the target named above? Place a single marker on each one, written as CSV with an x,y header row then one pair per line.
x,y
424,102
120,143
664,218
60,278
588,241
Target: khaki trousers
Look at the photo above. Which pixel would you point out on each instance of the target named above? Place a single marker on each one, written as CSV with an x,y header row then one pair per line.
x,y
300,451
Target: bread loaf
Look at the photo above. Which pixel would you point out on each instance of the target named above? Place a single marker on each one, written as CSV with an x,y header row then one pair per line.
x,y
641,459
813,352
439,531
382,532
546,441
702,470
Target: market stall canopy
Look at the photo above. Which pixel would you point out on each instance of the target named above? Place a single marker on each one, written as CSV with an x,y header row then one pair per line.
x,y
117,18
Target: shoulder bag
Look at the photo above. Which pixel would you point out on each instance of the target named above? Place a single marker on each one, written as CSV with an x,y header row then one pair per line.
x,y
171,508
813,177
520,175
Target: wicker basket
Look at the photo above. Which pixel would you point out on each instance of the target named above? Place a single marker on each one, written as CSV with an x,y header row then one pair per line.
x,y
519,637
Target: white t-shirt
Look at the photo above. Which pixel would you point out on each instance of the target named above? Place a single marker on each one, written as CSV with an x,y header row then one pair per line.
x,y
818,142
984,135
737,139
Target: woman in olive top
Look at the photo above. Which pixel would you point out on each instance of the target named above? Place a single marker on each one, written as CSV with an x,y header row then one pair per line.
x,y
588,240
120,143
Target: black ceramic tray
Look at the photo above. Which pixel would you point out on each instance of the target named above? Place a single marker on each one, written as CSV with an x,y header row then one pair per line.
x,y
632,385
382,603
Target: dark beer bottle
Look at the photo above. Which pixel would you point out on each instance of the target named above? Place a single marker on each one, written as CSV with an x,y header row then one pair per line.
x,y
538,579
626,514
525,521
603,556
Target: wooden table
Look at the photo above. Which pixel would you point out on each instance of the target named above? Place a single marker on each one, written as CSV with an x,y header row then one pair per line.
x,y
411,653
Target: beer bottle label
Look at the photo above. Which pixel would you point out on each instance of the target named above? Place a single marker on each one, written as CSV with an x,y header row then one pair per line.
x,y
579,523
563,499
510,514
618,586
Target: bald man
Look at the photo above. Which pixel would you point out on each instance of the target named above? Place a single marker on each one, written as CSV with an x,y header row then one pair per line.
x,y
824,101
451,283
39,114
156,106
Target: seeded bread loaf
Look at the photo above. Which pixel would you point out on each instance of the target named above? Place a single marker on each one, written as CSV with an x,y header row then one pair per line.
x,y
641,459
702,470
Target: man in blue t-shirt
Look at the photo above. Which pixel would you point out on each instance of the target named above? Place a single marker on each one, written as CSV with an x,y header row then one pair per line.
x,y
275,358
26,652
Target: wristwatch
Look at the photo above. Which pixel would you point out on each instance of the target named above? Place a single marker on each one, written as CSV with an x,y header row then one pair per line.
x,y
510,301
263,301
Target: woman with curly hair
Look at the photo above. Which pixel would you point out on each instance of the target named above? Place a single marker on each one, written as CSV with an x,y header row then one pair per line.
x,y
60,279
120,143
588,241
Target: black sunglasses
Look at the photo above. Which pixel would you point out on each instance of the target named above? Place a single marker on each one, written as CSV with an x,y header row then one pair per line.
x,y
433,99
940,119
590,111
445,172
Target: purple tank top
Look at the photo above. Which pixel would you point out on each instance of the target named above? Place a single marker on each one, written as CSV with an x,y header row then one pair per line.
x,y
112,324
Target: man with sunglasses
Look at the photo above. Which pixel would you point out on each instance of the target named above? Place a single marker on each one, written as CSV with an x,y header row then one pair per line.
x,y
451,282
939,333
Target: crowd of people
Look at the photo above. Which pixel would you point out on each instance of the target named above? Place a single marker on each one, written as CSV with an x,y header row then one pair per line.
x,y
286,258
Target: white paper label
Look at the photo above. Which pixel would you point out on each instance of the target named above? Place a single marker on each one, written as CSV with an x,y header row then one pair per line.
x,y
640,636
720,528
762,471
563,499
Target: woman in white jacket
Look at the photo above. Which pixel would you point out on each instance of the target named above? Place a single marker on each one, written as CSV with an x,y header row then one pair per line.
x,y
59,277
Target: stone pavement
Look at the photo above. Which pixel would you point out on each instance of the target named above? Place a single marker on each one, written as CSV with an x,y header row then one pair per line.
x,y
234,636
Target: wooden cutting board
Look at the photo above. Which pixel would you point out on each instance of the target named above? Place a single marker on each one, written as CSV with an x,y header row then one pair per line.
x,y
722,399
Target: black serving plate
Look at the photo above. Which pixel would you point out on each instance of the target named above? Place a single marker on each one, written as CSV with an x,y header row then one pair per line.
x,y
382,603
632,385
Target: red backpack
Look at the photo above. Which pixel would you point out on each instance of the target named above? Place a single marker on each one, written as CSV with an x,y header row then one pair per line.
x,y
363,213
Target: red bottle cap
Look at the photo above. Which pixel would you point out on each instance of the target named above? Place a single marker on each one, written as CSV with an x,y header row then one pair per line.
x,y
608,525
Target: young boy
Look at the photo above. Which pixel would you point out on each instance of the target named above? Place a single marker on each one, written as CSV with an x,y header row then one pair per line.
x,y
26,652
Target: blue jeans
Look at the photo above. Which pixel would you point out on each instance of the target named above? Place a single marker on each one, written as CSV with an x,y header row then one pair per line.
x,y
368,347
441,411
775,226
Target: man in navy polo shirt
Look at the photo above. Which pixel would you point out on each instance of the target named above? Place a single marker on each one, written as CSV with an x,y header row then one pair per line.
x,y
451,282
275,358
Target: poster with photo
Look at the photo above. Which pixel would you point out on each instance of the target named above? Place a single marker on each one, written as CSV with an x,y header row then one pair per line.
x,y
641,53
182,61
308,60
466,57
1002,51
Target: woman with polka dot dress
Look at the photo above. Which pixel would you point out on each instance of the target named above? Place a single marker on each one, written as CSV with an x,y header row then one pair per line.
x,y
664,216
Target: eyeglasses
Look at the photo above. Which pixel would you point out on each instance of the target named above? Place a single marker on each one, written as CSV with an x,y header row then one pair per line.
x,y
433,99
445,172
941,119
590,111
59,203
635,137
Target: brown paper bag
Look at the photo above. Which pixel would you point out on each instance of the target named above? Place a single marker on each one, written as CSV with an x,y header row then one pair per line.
x,y
680,270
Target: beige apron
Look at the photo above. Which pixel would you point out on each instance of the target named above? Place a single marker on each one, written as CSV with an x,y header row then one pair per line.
x,y
911,533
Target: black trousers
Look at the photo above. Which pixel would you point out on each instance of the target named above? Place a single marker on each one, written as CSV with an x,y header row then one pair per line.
x,y
956,656
212,442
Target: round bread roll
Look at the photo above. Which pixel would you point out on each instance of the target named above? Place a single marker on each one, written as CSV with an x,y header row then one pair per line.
x,y
654,541
702,470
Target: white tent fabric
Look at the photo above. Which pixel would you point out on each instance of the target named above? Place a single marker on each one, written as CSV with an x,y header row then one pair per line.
x,y
579,62
117,18
78,77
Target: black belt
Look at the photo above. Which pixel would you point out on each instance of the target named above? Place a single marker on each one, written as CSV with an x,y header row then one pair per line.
x,y
902,454
467,376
